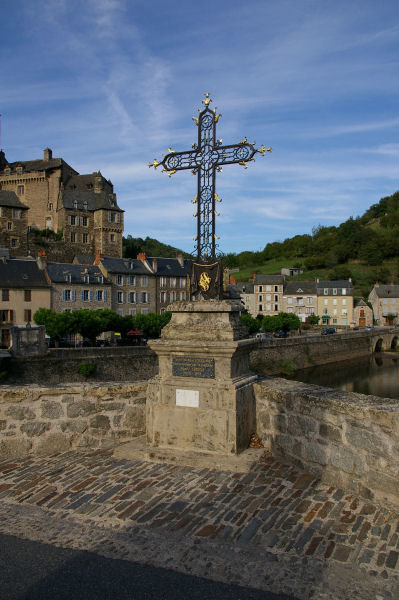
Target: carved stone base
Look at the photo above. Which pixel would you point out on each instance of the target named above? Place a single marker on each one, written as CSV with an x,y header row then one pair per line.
x,y
202,400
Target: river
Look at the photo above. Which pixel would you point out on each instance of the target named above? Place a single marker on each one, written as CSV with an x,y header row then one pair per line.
x,y
377,375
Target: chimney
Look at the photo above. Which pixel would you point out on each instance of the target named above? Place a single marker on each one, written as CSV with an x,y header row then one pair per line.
x,y
141,256
98,183
377,284
154,265
41,259
47,154
254,277
232,280
98,258
180,260
350,279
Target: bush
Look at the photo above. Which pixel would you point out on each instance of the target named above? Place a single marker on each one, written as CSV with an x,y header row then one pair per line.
x,y
87,369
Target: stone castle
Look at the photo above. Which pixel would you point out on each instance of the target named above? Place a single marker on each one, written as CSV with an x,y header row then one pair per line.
x,y
48,194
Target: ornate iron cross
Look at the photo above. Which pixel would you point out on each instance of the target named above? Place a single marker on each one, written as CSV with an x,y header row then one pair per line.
x,y
207,157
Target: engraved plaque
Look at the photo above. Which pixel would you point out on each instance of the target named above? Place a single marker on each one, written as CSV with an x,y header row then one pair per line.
x,y
187,398
193,366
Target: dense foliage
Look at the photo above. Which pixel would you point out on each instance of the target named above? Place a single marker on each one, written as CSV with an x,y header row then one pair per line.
x,y
132,246
281,322
252,323
370,239
91,323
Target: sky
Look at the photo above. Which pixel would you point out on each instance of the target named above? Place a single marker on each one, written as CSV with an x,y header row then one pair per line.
x,y
109,85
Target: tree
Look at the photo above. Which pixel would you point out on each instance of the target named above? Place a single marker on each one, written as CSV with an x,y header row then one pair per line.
x,y
57,324
250,322
281,322
313,319
88,323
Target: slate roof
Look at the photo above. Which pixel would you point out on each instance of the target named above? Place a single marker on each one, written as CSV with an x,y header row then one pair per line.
x,y
21,273
93,200
11,199
37,165
339,284
84,259
168,267
81,182
245,287
360,302
272,279
387,291
58,273
300,287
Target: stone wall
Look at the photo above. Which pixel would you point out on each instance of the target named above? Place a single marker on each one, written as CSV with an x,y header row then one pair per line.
x,y
41,421
61,365
349,440
279,356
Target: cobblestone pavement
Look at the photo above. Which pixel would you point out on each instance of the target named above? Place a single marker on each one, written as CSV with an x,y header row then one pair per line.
x,y
274,528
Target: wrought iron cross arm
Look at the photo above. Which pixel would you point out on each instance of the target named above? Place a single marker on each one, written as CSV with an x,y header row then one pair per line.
x,y
176,161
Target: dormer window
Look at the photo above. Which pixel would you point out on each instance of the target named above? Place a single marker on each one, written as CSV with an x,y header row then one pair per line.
x,y
19,170
100,279
85,205
75,204
86,278
7,170
68,277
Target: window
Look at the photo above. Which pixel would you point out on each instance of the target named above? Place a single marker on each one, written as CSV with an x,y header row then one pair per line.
x,y
289,300
71,220
119,280
325,311
144,280
325,302
261,288
344,302
85,295
276,307
182,282
173,296
343,291
14,242
310,300
267,306
276,288
67,295
163,297
50,206
326,291
132,311
132,298
83,221
268,288
73,237
260,308
276,298
114,217
16,213
85,238
20,190
112,237
335,312
335,291
28,315
163,282
173,282
119,297
132,279
27,295
5,295
290,309
144,311
260,299
99,295
9,226
335,302
75,204
144,297
182,295
268,297
344,312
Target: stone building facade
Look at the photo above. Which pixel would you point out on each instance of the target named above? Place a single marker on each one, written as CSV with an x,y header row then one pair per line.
x,y
269,294
335,302
300,298
23,290
13,224
83,207
385,302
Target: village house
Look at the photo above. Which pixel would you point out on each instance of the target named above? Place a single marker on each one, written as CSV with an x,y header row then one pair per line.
x,y
300,298
384,299
24,289
335,302
362,313
269,294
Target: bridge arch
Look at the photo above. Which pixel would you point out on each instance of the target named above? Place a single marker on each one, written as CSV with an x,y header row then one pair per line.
x,y
394,342
378,345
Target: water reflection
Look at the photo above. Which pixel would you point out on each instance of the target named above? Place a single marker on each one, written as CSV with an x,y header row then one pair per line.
x,y
377,374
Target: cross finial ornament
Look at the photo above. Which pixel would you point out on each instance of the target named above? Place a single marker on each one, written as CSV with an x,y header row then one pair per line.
x,y
207,156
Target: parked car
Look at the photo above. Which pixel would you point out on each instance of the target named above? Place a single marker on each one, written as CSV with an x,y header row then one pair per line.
x,y
263,336
281,334
328,330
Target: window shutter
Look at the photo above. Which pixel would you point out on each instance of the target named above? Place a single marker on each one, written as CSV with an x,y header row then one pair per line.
x,y
91,295
73,295
105,295
148,297
81,295
63,295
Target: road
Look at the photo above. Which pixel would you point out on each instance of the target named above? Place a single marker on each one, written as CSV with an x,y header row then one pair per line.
x,y
36,571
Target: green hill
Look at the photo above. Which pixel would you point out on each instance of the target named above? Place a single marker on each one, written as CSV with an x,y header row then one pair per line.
x,y
132,246
365,248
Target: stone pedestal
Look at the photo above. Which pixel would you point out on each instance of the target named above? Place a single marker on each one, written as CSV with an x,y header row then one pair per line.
x,y
202,399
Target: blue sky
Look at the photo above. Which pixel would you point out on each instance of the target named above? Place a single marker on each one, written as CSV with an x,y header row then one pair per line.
x,y
111,84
